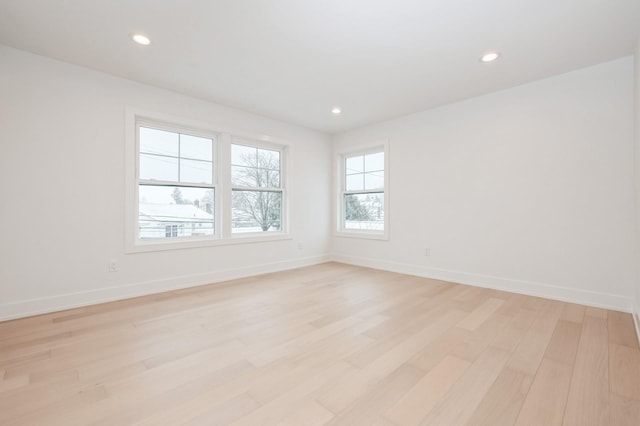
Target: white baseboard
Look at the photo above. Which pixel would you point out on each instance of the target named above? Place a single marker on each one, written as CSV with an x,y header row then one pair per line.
x,y
636,320
548,291
44,305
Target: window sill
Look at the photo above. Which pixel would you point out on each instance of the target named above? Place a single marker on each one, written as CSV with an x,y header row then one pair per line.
x,y
151,246
362,235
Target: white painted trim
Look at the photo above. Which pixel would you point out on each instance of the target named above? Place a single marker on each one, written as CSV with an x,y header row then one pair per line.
x,y
339,161
249,238
548,291
636,320
223,139
45,305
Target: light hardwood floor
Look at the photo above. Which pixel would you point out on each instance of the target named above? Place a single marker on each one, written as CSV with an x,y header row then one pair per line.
x,y
329,344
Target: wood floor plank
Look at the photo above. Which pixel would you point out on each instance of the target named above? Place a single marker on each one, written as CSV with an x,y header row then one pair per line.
x,y
480,314
545,401
527,356
213,414
588,400
624,371
433,353
502,402
457,405
564,342
228,396
279,408
13,383
310,413
379,398
596,312
621,329
624,411
573,313
339,396
420,400
326,344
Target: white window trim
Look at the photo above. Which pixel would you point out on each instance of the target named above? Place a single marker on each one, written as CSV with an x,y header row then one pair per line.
x,y
222,183
339,230
284,219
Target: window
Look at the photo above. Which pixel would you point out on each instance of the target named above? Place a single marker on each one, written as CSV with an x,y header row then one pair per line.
x,y
362,193
256,188
190,186
171,231
176,184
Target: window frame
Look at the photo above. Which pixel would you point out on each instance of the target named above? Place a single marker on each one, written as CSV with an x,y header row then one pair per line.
x,y
221,183
282,189
190,131
341,191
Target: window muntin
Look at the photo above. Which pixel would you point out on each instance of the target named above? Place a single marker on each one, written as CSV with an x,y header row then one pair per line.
x,y
363,192
256,189
176,184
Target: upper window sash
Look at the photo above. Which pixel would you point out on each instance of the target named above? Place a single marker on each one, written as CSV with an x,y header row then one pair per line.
x,y
175,155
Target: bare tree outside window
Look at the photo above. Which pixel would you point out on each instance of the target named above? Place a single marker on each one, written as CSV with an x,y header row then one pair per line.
x,y
257,192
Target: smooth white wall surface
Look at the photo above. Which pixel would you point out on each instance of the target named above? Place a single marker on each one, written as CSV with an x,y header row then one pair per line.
x,y
62,141
528,189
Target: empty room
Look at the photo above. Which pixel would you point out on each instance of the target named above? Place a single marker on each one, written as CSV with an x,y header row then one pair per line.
x,y
296,212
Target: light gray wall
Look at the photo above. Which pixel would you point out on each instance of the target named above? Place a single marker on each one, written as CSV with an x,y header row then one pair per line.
x,y
62,168
528,189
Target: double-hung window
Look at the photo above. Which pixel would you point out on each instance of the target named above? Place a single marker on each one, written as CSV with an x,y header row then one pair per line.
x,y
176,183
257,192
363,185
189,185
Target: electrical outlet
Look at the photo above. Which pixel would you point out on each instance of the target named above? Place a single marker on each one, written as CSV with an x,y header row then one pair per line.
x,y
112,266
427,252
299,246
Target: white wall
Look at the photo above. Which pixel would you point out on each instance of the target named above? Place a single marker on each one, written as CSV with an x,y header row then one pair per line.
x,y
528,189
62,139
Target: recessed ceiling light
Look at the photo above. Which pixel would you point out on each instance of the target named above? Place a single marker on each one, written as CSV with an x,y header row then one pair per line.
x,y
336,111
141,39
489,57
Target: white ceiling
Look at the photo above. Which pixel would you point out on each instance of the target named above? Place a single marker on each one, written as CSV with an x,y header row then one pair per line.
x,y
294,60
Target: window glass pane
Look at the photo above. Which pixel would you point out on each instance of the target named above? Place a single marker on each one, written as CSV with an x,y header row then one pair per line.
x,y
256,211
374,162
244,176
160,142
244,155
267,178
196,148
374,180
268,159
261,170
171,211
273,179
364,211
354,182
195,171
155,167
354,165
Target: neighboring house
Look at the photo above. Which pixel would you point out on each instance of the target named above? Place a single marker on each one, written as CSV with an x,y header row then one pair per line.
x,y
173,220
